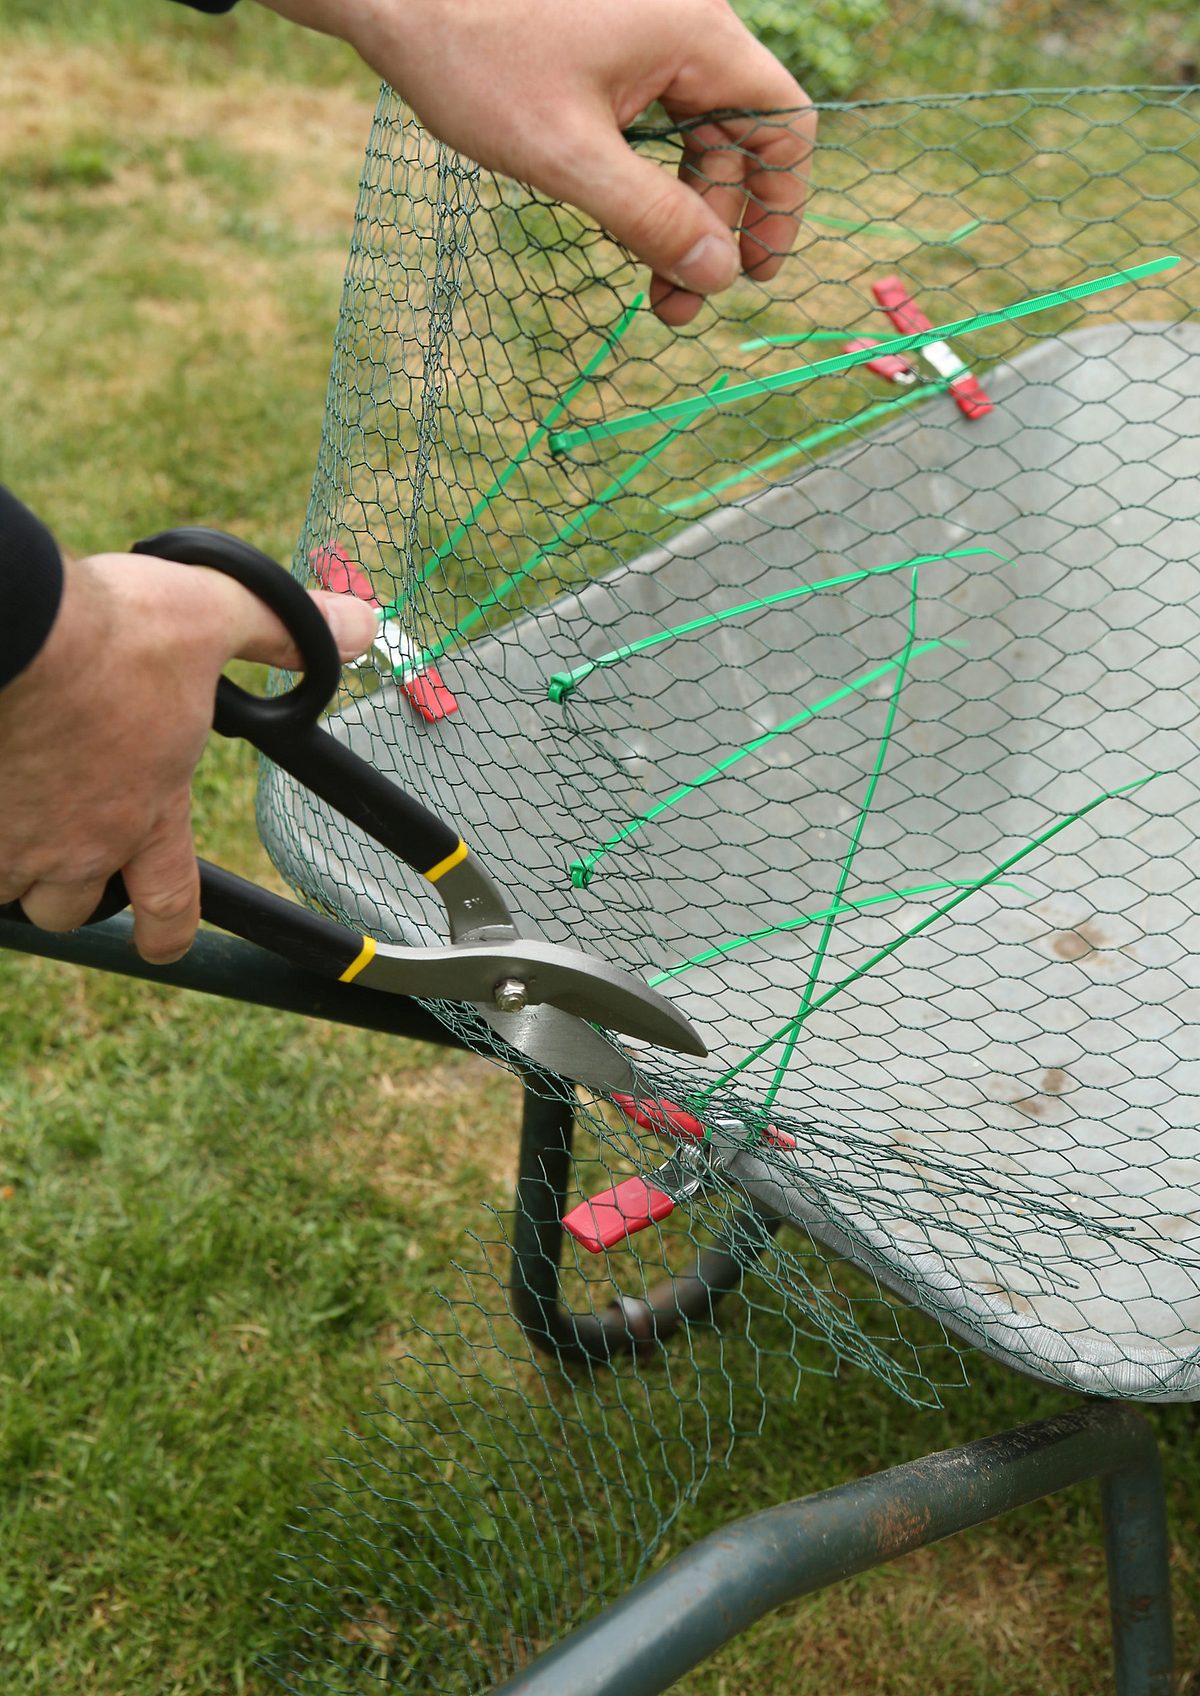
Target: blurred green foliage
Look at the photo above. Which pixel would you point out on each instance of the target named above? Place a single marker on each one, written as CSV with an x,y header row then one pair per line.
x,y
822,42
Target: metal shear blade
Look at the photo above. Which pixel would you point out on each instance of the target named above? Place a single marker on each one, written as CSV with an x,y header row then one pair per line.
x,y
553,1041
541,973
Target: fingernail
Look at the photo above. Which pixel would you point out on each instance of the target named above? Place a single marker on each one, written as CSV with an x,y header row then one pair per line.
x,y
158,958
711,265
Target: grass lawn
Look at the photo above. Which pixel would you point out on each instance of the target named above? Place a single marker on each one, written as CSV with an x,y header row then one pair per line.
x,y
220,1227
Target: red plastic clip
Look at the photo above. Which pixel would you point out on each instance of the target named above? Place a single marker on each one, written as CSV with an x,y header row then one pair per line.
x,y
893,366
908,318
430,694
334,569
425,688
662,1116
615,1215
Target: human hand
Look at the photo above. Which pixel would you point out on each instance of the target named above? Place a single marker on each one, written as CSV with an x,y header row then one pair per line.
x,y
100,735
541,90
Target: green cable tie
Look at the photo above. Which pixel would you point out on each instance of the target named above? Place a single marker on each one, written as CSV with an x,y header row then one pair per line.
x,y
609,342
829,433
568,530
877,226
720,949
970,889
790,341
822,948
683,410
563,682
583,869
960,234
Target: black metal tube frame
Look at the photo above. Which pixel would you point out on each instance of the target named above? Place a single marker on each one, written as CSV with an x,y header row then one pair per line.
x,y
647,1640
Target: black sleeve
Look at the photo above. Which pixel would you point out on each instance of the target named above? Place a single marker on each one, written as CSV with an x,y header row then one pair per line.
x,y
31,578
210,5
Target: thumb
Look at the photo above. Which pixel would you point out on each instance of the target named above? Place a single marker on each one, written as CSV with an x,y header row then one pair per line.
x,y
353,622
262,637
657,217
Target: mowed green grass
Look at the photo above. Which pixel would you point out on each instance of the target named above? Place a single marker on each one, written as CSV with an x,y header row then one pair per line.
x,y
220,1227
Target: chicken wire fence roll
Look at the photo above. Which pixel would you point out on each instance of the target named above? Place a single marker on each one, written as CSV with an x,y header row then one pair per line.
x,y
860,713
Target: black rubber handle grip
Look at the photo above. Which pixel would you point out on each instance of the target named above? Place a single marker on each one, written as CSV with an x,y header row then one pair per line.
x,y
232,903
285,728
244,714
366,797
297,935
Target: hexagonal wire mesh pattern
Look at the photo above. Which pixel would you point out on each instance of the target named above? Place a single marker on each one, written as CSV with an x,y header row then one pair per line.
x,y
866,728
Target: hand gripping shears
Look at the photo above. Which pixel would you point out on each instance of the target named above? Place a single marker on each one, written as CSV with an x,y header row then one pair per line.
x,y
542,999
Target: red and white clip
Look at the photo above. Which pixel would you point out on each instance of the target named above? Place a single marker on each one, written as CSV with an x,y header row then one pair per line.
x,y
422,683
908,318
615,1215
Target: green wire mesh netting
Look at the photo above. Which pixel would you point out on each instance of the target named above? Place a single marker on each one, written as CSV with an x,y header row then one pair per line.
x,y
860,717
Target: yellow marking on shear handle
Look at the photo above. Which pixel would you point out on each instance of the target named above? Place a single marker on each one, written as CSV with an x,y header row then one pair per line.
x,y
449,863
363,958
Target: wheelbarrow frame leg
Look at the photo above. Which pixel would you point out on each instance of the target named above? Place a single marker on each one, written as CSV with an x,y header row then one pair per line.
x,y
647,1640
631,1323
